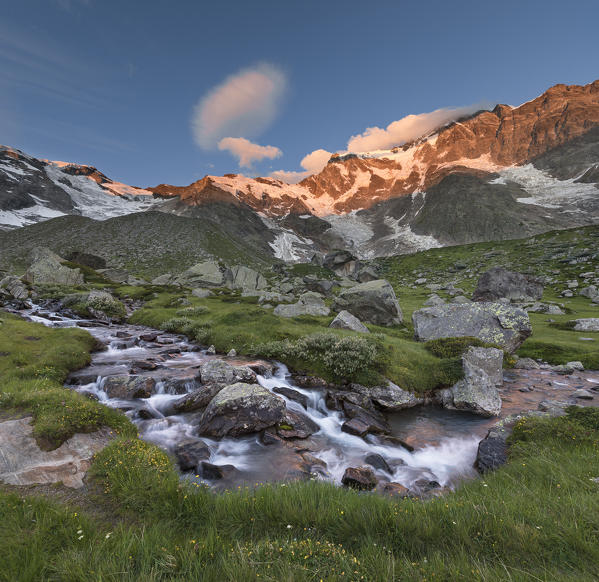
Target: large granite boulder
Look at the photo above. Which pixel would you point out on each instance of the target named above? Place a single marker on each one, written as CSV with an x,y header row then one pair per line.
x,y
241,409
309,303
23,462
587,324
245,279
362,478
216,371
198,399
390,397
345,320
494,323
477,391
13,287
373,302
129,387
47,269
499,283
205,274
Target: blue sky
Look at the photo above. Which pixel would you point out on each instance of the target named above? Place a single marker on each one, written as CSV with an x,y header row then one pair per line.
x,y
117,84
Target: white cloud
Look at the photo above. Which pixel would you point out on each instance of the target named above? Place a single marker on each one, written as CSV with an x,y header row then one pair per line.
x,y
247,151
407,129
312,163
244,104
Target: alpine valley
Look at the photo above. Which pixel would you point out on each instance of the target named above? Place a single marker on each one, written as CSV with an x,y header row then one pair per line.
x,y
503,174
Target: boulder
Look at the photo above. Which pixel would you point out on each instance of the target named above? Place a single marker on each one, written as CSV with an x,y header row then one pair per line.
x,y
309,303
587,324
165,279
499,283
196,400
206,274
489,359
244,278
322,286
345,320
393,489
434,300
115,275
87,259
495,323
377,461
590,291
47,270
340,261
477,391
14,287
366,274
201,293
361,478
241,409
391,397
129,387
44,253
292,394
526,364
216,472
23,462
190,452
296,425
216,371
372,302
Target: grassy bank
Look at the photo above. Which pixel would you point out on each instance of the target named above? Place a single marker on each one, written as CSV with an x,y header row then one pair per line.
x,y
230,321
34,363
535,519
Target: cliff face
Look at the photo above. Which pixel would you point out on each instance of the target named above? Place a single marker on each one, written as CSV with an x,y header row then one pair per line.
x,y
485,142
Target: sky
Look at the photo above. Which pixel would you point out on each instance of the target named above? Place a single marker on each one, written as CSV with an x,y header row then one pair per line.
x,y
167,91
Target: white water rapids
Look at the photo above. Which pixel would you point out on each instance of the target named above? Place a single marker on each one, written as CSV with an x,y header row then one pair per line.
x,y
445,442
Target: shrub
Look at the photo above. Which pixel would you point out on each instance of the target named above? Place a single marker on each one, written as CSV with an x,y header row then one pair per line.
x,y
454,347
345,358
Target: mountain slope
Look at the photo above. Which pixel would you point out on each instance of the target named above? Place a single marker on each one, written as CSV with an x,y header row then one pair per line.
x,y
32,190
489,141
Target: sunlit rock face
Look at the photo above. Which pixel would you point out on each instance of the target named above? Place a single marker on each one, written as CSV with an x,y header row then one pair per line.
x,y
485,142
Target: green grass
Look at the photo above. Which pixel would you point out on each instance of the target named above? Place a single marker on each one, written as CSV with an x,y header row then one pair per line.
x,y
230,321
34,363
535,519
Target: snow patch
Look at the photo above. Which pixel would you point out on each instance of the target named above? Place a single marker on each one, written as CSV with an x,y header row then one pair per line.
x,y
285,246
545,190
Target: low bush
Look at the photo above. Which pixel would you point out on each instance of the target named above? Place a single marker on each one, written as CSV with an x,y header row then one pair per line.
x,y
338,358
454,347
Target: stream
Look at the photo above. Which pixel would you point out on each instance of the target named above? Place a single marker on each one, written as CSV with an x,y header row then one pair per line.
x,y
431,445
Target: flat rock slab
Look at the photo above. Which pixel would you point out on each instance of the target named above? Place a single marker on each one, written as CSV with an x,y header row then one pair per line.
x,y
22,462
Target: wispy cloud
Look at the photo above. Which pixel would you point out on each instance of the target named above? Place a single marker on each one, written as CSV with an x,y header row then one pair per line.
x,y
407,128
243,105
248,152
313,163
36,63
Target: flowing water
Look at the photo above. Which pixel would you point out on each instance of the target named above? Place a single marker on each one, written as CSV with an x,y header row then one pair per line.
x,y
444,442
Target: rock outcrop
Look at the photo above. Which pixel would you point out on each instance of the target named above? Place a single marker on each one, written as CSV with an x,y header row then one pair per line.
x,y
345,320
241,409
309,303
499,283
494,323
22,462
477,391
373,302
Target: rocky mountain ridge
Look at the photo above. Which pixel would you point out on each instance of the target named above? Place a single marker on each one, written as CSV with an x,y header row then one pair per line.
x,y
506,173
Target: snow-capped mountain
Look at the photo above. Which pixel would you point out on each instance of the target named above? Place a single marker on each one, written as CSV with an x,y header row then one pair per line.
x,y
507,173
32,190
486,142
